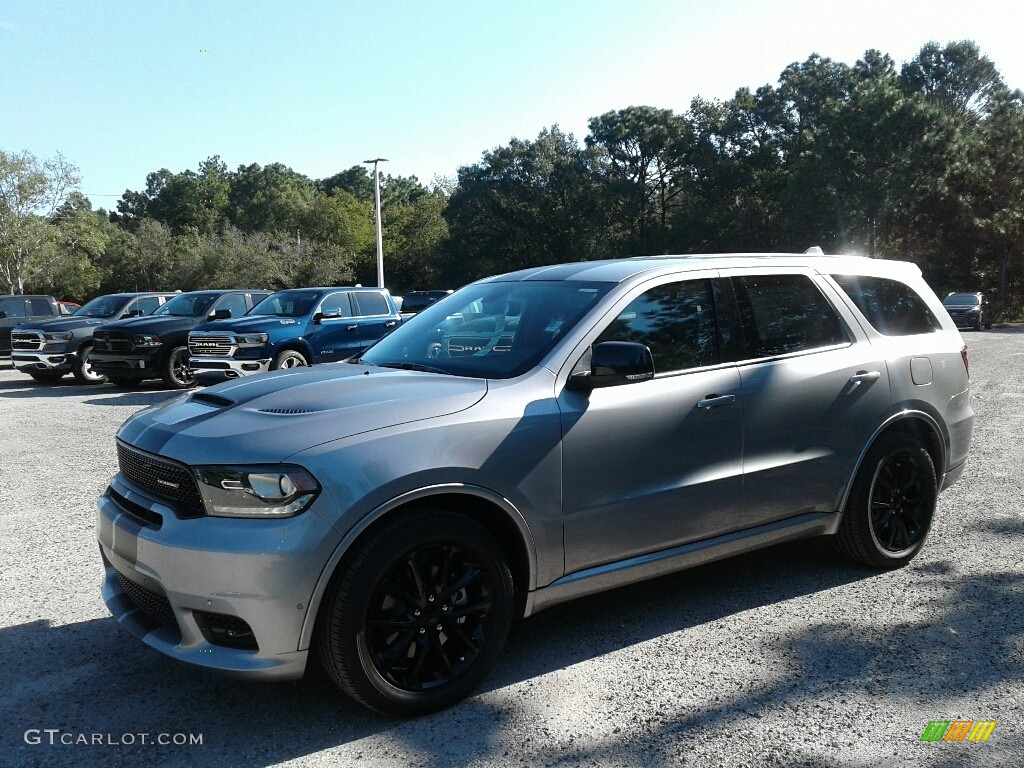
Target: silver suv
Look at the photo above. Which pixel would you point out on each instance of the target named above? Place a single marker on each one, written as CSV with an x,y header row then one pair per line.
x,y
527,440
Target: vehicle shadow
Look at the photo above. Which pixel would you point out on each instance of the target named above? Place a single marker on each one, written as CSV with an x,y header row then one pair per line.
x,y
146,393
92,677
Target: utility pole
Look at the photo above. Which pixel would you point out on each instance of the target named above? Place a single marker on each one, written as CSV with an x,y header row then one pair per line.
x,y
380,237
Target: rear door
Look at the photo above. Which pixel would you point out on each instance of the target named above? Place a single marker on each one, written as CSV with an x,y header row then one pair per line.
x,y
814,391
373,315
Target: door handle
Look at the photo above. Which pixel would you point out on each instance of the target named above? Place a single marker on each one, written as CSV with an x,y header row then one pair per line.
x,y
860,376
390,325
351,327
715,401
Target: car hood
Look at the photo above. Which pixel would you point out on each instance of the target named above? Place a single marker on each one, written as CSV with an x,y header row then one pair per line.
x,y
270,417
251,324
154,325
61,324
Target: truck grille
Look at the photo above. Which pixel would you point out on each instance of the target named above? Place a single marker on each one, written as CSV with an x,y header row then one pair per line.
x,y
28,341
162,477
214,345
112,341
156,607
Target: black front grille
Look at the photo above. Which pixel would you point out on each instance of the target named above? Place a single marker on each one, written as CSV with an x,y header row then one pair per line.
x,y
137,510
112,341
164,478
156,607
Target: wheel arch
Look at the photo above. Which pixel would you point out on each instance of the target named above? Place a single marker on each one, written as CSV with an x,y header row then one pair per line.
x,y
916,424
491,510
299,345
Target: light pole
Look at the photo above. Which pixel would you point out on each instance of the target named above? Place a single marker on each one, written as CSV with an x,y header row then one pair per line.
x,y
380,237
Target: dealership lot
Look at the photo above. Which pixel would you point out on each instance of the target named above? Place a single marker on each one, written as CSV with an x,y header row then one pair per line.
x,y
786,657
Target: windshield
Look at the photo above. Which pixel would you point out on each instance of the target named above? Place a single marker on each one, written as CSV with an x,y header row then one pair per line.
x,y
187,305
961,298
103,306
490,330
287,304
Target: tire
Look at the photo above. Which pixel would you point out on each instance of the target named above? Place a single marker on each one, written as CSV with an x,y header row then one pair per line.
x,y
418,617
82,368
288,358
175,372
891,505
124,381
988,323
977,324
47,377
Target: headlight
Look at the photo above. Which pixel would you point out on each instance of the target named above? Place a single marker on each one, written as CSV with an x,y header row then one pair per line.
x,y
146,341
275,490
251,339
66,336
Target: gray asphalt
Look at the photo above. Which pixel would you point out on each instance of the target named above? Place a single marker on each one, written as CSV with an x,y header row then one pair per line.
x,y
787,657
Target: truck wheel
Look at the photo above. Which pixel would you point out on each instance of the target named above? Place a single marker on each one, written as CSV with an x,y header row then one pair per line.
x,y
82,368
175,372
891,504
415,621
288,358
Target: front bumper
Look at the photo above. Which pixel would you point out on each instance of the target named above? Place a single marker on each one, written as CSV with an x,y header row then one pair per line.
x,y
134,364
35,362
211,370
180,571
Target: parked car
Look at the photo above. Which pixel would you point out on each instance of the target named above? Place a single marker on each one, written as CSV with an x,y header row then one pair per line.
x,y
49,349
155,347
639,416
18,309
67,308
292,328
969,310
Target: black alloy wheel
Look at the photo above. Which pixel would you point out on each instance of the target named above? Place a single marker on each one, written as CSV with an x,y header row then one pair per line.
x,y
891,504
418,618
176,373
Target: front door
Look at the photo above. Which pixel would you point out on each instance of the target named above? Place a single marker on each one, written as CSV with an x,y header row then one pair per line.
x,y
657,463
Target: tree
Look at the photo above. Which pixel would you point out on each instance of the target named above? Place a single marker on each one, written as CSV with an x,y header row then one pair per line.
x,y
31,191
273,198
956,78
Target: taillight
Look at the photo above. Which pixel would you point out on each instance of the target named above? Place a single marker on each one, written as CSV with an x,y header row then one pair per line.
x,y
963,354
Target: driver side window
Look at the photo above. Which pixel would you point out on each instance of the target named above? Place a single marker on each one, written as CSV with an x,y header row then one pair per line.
x,y
676,321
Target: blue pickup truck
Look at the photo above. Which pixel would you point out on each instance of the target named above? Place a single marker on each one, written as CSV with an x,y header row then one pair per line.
x,y
291,328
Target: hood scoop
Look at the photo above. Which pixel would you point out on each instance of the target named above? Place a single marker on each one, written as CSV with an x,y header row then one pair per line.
x,y
211,399
286,411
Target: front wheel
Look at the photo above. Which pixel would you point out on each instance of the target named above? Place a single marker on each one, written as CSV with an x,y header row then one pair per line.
x,y
891,504
82,367
176,373
418,617
288,358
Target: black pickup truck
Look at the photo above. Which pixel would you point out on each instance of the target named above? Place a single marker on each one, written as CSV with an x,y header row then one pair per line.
x,y
15,310
49,349
156,347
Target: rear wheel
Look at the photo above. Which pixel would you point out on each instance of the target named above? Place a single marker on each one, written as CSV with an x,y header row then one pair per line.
x,y
418,617
288,358
82,367
175,372
891,505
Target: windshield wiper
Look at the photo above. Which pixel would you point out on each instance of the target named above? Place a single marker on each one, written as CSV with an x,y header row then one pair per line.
x,y
411,367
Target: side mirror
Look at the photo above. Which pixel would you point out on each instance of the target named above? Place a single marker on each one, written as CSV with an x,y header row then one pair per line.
x,y
221,314
614,363
327,314
134,313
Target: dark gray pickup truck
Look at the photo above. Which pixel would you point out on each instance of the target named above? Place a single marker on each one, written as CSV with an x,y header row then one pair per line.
x,y
15,310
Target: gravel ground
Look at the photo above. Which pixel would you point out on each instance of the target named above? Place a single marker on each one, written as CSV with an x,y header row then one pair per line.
x,y
787,657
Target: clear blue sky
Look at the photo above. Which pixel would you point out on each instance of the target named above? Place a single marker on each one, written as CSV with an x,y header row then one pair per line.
x,y
125,88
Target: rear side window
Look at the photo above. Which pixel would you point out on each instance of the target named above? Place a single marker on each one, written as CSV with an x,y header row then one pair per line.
x,y
677,323
370,303
147,304
893,308
39,307
235,302
781,314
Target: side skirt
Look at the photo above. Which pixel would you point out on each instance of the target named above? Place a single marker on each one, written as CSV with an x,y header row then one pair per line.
x,y
612,575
